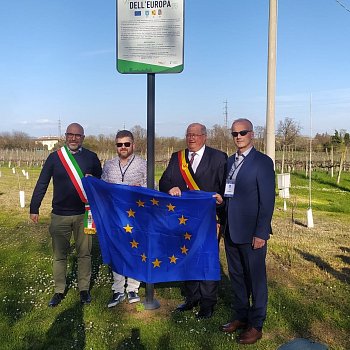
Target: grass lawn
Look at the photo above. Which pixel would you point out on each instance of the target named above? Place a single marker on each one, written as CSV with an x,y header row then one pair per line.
x,y
308,270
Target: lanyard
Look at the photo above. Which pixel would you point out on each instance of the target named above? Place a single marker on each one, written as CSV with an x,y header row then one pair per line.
x,y
121,171
235,167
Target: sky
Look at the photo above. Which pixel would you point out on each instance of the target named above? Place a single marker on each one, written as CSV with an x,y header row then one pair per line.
x,y
58,63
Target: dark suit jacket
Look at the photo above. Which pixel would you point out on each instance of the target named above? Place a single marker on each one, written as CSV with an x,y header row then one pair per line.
x,y
210,175
249,212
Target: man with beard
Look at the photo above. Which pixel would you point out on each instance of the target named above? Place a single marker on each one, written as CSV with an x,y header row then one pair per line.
x,y
68,209
125,169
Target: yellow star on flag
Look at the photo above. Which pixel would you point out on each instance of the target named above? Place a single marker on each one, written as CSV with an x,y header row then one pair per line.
x,y
171,207
134,244
140,203
173,259
130,213
187,236
154,201
184,250
182,220
128,228
143,257
156,263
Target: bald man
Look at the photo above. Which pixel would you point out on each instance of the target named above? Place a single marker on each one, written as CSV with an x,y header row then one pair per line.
x,y
68,209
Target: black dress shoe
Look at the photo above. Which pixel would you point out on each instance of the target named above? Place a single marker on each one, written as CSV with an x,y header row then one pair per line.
x,y
205,313
56,299
187,306
85,297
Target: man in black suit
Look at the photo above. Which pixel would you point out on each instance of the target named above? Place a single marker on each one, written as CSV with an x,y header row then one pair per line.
x,y
198,167
250,199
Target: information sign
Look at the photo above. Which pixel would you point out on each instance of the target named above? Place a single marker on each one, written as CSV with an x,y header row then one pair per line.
x,y
150,36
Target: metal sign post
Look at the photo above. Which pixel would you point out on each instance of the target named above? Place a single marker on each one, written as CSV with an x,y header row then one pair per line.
x,y
150,303
150,40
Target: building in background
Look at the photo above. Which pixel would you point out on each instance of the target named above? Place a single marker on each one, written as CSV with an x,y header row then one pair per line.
x,y
49,141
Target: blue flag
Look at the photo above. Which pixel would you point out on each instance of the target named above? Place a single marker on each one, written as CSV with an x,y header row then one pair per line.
x,y
152,236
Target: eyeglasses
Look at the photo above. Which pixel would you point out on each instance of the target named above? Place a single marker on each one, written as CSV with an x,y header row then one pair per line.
x,y
242,133
194,135
126,144
70,135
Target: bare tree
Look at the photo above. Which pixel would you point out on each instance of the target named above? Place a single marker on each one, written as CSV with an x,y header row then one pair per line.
x,y
219,137
287,132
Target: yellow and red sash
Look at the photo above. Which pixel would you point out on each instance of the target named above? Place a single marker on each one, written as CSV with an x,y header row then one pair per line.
x,y
185,171
75,174
187,176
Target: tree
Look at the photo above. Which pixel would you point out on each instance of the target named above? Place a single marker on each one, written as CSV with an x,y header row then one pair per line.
x,y
140,136
288,130
219,137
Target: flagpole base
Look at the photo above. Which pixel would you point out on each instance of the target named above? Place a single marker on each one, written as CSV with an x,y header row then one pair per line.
x,y
151,305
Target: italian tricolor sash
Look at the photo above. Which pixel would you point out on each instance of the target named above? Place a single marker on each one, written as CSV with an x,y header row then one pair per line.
x,y
185,172
75,174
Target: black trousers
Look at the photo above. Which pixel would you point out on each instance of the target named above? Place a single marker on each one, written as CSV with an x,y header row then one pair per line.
x,y
204,292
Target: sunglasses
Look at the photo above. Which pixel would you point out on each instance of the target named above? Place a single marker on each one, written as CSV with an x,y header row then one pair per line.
x,y
242,133
126,144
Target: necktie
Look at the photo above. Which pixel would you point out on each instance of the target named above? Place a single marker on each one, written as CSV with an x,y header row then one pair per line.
x,y
192,157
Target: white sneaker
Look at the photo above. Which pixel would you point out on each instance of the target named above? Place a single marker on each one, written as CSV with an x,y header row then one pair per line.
x,y
117,298
133,297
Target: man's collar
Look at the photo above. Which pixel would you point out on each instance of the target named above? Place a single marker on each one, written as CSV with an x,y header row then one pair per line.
x,y
75,152
245,153
199,152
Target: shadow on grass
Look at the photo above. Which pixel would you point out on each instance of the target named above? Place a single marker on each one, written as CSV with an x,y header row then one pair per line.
x,y
292,311
67,331
132,342
299,223
96,260
323,265
345,249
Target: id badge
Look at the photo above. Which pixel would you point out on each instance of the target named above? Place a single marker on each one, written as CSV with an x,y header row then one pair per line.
x,y
229,189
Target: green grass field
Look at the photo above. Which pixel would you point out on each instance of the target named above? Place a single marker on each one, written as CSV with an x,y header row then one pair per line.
x,y
308,269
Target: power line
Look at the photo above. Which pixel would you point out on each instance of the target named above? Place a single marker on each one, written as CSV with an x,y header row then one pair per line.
x,y
342,5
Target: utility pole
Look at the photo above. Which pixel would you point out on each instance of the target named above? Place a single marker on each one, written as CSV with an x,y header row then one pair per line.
x,y
59,128
271,81
225,115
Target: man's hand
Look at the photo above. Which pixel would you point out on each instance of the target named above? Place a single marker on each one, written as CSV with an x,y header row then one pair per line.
x,y
218,198
34,218
175,191
258,243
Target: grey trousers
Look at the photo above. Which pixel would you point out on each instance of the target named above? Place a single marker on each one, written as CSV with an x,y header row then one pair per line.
x,y
61,230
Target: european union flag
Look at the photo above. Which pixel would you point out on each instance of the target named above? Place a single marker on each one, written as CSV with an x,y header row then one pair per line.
x,y
152,236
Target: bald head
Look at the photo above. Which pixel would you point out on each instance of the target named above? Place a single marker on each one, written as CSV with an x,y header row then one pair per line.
x,y
74,136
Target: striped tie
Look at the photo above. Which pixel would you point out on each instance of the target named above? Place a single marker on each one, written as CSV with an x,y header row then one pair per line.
x,y
192,157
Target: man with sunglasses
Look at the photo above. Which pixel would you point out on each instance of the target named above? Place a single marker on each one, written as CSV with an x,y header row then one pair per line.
x,y
206,169
250,198
68,209
125,169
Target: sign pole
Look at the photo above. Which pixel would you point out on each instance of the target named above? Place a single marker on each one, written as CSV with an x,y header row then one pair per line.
x,y
149,41
150,303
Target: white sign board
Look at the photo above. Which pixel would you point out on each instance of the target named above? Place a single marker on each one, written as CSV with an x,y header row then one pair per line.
x,y
150,36
283,181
